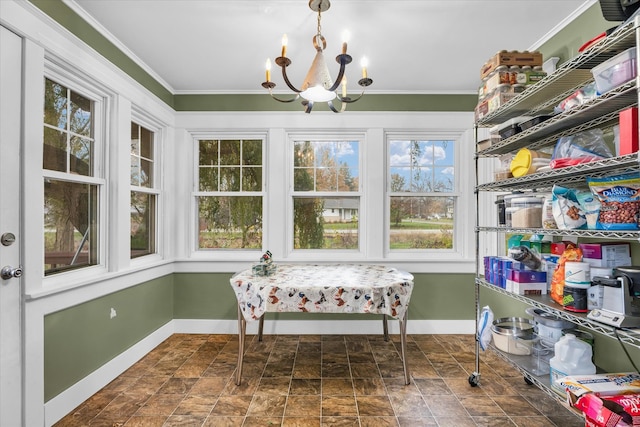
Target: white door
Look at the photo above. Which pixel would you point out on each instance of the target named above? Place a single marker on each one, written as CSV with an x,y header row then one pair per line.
x,y
11,384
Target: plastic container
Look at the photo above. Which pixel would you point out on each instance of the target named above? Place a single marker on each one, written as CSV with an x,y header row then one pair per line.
x,y
616,71
513,335
547,326
523,162
571,357
526,212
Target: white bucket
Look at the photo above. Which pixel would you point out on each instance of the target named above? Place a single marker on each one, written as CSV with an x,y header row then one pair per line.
x,y
577,274
572,357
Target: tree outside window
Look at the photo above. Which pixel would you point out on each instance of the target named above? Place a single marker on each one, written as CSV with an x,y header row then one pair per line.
x,y
229,193
422,193
326,198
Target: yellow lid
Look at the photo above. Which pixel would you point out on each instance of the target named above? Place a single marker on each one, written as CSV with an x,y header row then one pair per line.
x,y
521,163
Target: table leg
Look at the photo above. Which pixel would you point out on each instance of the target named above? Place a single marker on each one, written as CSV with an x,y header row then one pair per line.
x,y
403,346
242,330
385,327
260,327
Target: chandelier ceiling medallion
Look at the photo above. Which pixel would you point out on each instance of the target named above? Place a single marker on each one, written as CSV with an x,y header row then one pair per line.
x,y
318,85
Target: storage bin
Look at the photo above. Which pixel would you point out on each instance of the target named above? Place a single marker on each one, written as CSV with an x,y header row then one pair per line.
x,y
513,335
615,71
526,212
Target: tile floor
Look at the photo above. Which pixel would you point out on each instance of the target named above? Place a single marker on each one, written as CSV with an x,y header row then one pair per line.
x,y
328,380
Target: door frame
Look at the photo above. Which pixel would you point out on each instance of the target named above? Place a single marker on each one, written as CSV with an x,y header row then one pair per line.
x,y
12,383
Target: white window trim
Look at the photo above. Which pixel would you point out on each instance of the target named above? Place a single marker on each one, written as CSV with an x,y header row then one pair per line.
x,y
141,118
462,176
326,255
197,253
87,87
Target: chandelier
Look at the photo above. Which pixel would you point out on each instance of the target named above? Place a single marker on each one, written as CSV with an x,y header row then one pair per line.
x,y
317,85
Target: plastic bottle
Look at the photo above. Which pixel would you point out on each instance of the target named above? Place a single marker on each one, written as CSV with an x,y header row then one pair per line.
x,y
572,357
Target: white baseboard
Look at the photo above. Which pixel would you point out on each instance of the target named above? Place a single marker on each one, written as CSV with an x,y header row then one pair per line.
x,y
325,327
66,401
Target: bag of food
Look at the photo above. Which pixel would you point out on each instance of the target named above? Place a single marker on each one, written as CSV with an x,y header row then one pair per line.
x,y
570,254
619,201
566,209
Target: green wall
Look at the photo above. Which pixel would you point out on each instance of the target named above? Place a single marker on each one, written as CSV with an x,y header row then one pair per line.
x,y
80,339
435,296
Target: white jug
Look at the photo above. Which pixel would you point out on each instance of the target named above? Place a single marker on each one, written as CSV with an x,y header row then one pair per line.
x,y
572,357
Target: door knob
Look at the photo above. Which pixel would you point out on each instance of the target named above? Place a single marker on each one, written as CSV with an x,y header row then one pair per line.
x,y
9,272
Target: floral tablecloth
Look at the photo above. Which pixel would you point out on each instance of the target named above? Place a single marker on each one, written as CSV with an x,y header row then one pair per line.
x,y
334,288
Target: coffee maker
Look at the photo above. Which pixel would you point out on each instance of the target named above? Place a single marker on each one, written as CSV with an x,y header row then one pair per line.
x,y
621,299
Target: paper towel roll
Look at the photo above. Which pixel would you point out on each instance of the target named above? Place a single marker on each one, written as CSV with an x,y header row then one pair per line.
x,y
577,274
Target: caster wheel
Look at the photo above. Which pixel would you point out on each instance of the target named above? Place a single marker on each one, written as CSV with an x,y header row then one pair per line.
x,y
528,381
474,380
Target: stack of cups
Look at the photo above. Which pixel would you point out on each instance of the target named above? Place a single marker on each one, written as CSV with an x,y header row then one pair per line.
x,y
577,281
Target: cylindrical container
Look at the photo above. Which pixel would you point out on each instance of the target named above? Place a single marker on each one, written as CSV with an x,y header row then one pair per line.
x,y
571,357
513,335
575,299
547,326
525,256
526,212
577,274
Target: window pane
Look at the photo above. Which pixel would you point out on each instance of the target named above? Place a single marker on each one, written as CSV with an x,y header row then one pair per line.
x,y
135,139
147,173
80,120
143,229
303,179
81,157
70,225
208,179
252,179
229,179
55,150
252,152
332,164
208,153
230,222
55,104
146,143
229,152
325,222
421,222
421,166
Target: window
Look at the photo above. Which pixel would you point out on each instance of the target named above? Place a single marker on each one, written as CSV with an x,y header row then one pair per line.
x,y
229,194
71,188
422,194
143,192
326,194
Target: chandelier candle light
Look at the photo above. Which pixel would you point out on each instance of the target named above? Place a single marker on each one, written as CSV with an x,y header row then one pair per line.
x,y
317,85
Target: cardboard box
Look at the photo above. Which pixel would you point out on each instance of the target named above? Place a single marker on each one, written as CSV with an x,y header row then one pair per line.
x,y
595,262
608,254
612,384
526,282
510,58
628,120
605,411
557,248
606,251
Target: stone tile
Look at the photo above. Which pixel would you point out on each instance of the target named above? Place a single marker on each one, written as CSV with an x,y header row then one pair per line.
x,y
339,406
231,406
146,421
337,387
516,406
374,406
303,386
378,421
301,422
300,406
267,406
369,387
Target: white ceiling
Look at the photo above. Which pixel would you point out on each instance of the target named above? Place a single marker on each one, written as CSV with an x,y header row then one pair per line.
x,y
413,46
